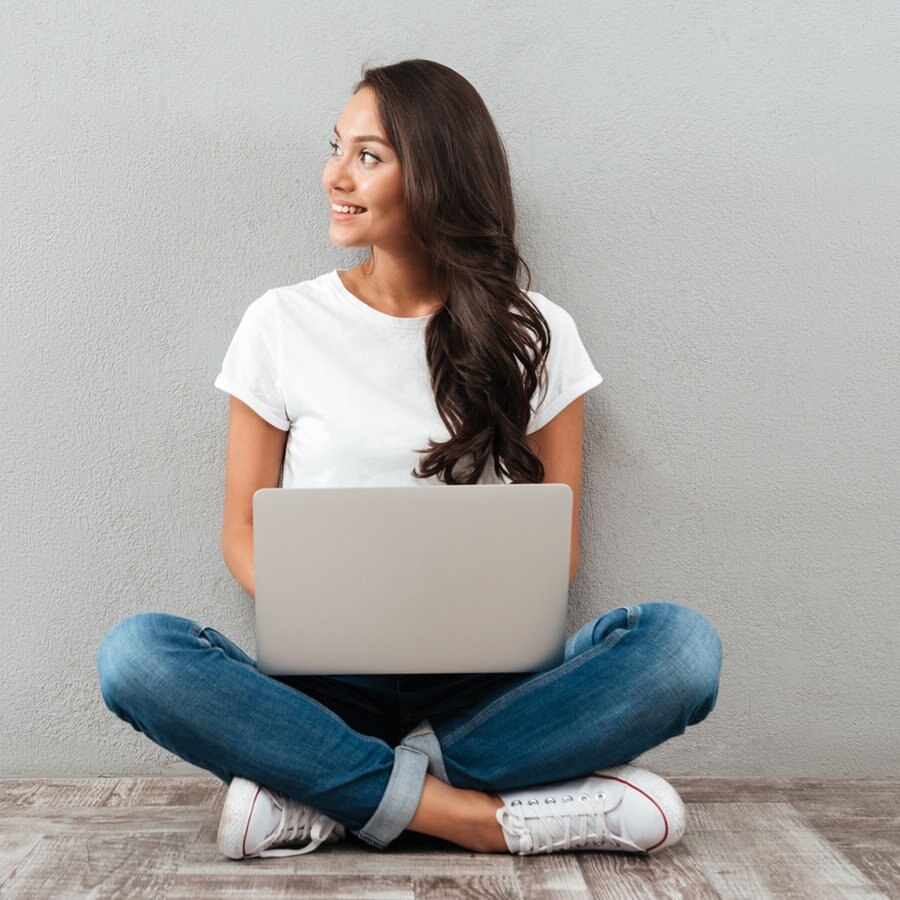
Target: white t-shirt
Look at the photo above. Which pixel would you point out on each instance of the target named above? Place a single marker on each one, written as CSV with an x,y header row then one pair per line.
x,y
351,384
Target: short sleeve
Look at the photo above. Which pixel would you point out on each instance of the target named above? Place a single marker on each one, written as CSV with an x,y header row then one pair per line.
x,y
570,372
251,370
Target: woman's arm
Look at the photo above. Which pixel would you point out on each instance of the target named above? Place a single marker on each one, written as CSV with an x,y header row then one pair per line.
x,y
559,446
253,460
237,551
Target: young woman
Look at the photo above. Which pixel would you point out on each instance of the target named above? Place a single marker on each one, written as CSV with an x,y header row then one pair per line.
x,y
426,365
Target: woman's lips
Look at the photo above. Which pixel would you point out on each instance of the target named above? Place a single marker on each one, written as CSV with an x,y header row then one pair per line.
x,y
343,217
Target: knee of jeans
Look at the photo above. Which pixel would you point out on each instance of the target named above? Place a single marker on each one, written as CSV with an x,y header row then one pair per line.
x,y
124,652
696,654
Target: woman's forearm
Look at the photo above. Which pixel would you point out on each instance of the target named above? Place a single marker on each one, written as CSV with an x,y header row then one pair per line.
x,y
237,550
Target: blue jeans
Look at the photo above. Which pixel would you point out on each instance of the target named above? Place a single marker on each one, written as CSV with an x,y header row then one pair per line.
x,y
358,747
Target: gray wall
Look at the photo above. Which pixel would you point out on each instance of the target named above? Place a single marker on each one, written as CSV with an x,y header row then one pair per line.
x,y
710,189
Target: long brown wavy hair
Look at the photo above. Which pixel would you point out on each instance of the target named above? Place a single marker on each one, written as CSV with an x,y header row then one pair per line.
x,y
487,345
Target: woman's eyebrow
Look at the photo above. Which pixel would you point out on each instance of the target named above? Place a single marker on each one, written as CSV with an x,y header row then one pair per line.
x,y
365,137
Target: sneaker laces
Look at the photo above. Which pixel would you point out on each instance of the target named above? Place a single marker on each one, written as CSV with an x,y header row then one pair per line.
x,y
299,822
582,824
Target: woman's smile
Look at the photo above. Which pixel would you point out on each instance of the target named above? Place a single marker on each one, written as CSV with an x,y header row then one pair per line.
x,y
336,213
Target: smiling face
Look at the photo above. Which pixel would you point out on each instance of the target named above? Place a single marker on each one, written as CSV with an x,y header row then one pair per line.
x,y
365,173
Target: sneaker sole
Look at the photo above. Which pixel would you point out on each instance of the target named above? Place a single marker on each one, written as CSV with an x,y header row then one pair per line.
x,y
663,796
236,817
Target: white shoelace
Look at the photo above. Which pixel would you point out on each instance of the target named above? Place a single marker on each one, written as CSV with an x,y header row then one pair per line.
x,y
299,821
551,831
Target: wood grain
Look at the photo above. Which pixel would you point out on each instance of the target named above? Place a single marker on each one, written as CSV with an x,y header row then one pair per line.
x,y
156,837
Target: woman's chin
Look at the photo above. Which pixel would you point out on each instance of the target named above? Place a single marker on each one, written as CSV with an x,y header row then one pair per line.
x,y
340,240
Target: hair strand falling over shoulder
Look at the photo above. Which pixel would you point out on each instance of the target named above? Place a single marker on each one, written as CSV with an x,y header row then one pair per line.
x,y
486,347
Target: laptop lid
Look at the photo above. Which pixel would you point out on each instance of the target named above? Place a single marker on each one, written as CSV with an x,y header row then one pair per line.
x,y
402,580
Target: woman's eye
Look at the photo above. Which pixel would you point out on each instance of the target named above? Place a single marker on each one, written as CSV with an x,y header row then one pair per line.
x,y
334,148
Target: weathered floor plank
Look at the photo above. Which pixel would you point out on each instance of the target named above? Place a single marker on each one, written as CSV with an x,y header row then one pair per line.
x,y
155,837
767,850
97,865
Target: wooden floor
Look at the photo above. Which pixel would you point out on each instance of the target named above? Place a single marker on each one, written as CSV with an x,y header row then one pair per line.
x,y
155,837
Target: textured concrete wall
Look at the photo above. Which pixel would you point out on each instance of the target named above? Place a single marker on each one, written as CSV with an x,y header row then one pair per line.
x,y
710,189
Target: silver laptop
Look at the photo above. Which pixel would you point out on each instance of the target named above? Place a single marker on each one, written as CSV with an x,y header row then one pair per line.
x,y
402,580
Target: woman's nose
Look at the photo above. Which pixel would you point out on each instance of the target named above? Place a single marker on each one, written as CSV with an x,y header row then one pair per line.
x,y
336,173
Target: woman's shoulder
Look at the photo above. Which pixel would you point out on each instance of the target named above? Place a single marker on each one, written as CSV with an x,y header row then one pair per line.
x,y
316,286
303,298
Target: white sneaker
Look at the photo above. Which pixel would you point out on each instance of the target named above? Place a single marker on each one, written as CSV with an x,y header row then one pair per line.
x,y
622,808
256,818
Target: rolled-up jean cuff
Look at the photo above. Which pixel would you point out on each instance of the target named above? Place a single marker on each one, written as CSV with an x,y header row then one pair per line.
x,y
400,799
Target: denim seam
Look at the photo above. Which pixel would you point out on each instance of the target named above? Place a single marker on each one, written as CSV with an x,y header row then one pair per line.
x,y
200,636
579,634
248,662
608,643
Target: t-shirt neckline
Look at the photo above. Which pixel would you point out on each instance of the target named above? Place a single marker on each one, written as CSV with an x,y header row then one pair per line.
x,y
374,315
